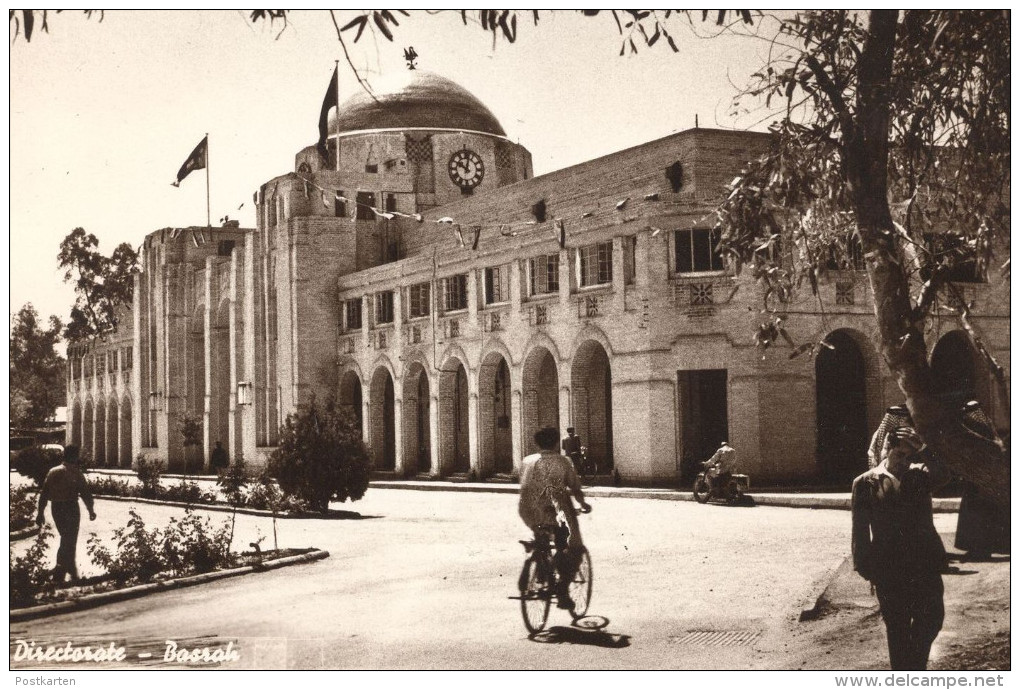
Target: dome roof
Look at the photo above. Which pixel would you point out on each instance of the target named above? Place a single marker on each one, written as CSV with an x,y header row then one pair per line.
x,y
413,99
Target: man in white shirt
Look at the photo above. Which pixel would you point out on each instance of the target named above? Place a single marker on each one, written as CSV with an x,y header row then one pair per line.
x,y
548,481
720,465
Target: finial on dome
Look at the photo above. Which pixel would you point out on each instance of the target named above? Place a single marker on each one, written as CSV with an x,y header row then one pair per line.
x,y
410,55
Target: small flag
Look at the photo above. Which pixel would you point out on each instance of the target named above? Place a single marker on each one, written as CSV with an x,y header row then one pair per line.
x,y
328,101
478,232
460,236
621,204
196,161
561,232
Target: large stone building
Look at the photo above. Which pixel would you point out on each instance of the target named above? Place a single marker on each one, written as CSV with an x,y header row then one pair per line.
x,y
418,271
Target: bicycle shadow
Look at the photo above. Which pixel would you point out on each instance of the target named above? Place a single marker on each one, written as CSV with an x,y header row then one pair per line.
x,y
581,634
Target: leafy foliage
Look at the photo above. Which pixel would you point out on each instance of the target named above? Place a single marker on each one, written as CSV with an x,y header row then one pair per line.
x,y
149,473
35,462
36,369
103,285
233,483
28,573
321,456
22,507
189,545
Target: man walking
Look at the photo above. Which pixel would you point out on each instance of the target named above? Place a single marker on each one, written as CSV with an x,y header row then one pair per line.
x,y
61,488
896,547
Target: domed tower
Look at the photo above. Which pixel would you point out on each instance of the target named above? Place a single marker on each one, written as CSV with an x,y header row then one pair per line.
x,y
418,134
419,141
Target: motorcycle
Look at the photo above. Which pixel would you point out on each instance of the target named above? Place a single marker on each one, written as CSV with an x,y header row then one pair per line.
x,y
729,487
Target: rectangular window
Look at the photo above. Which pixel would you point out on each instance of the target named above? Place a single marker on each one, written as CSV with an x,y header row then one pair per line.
x,y
455,292
596,263
111,362
418,300
497,284
846,254
366,202
127,359
391,202
544,274
352,314
697,250
339,204
384,307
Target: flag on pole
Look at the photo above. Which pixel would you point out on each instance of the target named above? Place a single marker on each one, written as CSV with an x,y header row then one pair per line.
x,y
329,101
196,161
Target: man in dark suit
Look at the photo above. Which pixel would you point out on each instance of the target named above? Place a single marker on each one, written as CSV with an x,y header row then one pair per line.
x,y
896,547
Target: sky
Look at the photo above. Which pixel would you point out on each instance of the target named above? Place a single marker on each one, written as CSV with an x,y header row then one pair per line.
x,y
103,113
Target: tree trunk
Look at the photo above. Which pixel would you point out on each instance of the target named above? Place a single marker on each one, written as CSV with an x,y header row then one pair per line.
x,y
866,151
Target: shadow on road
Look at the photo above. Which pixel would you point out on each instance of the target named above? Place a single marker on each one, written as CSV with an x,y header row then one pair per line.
x,y
592,637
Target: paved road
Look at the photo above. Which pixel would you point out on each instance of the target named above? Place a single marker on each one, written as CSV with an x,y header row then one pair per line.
x,y
421,582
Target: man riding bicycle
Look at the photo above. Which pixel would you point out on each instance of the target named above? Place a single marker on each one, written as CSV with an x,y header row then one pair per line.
x,y
548,481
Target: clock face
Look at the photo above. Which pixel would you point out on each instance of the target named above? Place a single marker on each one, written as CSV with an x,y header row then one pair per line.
x,y
466,169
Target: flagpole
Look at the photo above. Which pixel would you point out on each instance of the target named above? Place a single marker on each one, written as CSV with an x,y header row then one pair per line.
x,y
336,71
208,216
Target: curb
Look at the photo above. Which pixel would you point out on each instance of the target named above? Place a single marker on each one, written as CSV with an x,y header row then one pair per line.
x,y
98,599
817,502
215,507
24,533
812,607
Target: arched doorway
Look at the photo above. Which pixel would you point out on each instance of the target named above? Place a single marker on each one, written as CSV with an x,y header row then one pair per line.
x,y
219,403
350,398
541,404
125,432
454,444
383,442
841,403
417,421
99,444
112,429
495,433
959,374
592,385
76,422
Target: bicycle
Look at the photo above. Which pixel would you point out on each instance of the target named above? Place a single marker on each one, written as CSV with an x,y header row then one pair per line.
x,y
539,583
584,465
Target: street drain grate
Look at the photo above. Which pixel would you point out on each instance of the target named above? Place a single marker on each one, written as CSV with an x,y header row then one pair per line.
x,y
718,638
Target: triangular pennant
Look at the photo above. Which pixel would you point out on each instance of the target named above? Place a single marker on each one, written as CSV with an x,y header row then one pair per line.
x,y
478,233
561,232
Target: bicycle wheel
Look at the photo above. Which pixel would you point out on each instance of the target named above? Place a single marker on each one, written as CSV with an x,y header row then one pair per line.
x,y
580,588
535,597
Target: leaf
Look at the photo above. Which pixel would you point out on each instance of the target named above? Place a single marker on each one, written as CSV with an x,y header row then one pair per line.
x,y
382,26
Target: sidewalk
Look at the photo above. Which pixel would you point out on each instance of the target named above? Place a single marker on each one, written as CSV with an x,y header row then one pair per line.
x,y
771,496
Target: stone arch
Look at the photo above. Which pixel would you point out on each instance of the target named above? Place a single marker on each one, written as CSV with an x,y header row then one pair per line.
x,y
99,434
847,403
455,352
540,391
350,394
495,425
382,419
591,333
417,420
195,363
219,383
960,375
112,432
591,384
126,449
454,423
76,421
88,430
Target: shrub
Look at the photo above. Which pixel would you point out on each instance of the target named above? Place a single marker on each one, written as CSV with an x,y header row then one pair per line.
x,y
233,483
22,506
321,456
35,461
186,492
149,473
109,486
190,545
29,575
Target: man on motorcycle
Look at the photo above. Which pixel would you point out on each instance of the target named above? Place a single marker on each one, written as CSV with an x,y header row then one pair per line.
x,y
548,481
719,468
